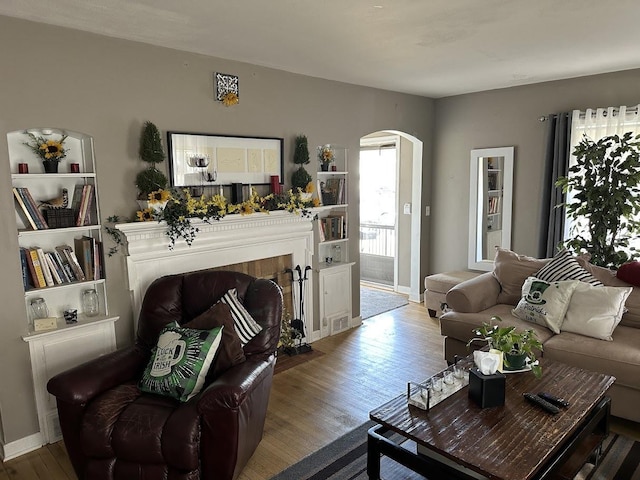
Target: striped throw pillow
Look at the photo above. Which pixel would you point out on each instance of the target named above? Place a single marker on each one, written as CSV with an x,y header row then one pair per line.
x,y
246,327
564,266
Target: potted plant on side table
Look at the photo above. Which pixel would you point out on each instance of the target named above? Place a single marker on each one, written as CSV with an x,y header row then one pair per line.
x,y
518,348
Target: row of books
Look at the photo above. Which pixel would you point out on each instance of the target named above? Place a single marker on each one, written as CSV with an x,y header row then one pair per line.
x,y
31,215
494,205
332,227
82,200
42,269
332,191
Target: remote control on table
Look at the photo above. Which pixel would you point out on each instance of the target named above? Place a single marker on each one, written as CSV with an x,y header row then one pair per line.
x,y
549,407
558,402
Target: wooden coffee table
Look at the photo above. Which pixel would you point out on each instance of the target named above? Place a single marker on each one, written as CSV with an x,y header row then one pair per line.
x,y
457,439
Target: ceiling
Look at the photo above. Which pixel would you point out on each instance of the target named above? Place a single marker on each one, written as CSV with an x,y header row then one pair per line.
x,y
433,48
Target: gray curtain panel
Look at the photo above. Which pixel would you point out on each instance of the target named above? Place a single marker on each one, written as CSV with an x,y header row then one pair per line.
x,y
556,164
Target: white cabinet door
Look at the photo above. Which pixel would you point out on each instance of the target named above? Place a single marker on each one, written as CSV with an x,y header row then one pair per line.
x,y
335,301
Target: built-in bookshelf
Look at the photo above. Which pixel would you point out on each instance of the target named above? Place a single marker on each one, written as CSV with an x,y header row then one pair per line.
x,y
62,260
332,247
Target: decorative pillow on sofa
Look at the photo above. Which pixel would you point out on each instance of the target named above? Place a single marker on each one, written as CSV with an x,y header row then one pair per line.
x,y
180,361
630,273
564,266
230,352
511,270
246,327
595,311
545,303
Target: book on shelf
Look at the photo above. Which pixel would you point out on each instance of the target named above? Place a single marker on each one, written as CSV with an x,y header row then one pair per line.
x,y
25,215
85,252
29,212
67,252
27,274
45,267
33,208
38,275
82,206
62,260
57,279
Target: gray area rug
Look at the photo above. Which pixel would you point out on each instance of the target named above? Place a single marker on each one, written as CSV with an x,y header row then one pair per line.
x,y
346,458
374,301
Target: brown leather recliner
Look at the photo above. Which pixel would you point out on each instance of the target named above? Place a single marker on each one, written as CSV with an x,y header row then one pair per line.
x,y
112,430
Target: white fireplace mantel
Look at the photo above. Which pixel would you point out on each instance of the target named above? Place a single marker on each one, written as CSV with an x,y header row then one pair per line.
x,y
233,239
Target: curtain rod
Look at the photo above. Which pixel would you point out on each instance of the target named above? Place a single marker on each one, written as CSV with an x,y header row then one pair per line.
x,y
583,113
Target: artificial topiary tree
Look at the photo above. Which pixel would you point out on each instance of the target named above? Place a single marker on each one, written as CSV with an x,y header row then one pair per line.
x,y
300,177
151,151
605,182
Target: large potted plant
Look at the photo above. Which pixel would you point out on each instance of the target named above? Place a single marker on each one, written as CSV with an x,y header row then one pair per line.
x,y
518,348
604,207
150,179
300,178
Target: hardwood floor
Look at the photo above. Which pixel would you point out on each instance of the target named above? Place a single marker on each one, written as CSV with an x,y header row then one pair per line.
x,y
316,402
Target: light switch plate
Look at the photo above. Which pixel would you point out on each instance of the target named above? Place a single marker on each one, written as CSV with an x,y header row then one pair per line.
x,y
47,323
407,209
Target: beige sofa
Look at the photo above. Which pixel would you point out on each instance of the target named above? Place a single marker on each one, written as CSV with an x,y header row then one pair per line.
x,y
496,293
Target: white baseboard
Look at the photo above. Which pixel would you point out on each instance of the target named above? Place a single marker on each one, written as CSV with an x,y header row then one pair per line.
x,y
19,447
356,321
407,291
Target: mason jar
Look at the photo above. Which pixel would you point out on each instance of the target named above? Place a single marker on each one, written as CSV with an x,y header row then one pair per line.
x,y
39,308
90,303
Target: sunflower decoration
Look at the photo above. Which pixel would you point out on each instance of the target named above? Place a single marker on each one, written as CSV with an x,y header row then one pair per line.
x,y
47,149
326,155
230,98
145,215
159,196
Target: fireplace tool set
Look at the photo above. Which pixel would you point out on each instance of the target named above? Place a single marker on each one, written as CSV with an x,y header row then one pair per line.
x,y
298,288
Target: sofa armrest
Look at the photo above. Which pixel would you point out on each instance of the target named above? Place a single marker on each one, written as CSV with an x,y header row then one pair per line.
x,y
474,295
82,383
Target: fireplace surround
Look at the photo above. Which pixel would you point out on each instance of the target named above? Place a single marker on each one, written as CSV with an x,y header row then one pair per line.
x,y
235,239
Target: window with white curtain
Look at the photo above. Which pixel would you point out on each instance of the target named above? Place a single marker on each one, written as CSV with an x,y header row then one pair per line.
x,y
596,124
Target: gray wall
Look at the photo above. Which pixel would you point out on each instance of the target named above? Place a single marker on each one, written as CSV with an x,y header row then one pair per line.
x,y
107,88
503,118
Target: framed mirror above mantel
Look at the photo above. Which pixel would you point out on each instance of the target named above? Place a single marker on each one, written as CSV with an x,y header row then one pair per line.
x,y
490,204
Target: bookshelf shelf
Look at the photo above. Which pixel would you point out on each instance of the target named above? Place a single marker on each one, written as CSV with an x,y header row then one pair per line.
x,y
60,244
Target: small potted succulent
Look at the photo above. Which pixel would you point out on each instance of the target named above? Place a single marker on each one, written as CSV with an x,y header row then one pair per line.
x,y
518,348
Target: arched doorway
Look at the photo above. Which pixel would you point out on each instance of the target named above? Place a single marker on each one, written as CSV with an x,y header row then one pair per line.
x,y
406,209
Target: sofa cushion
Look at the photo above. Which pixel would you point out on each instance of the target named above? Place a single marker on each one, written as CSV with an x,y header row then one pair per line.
x,y
180,361
595,311
608,277
511,270
564,266
230,352
620,358
630,273
246,327
461,325
545,303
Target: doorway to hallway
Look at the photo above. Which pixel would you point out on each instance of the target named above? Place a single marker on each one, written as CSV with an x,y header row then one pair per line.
x,y
378,206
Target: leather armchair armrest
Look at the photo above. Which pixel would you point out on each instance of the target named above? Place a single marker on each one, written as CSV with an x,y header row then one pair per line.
x,y
80,384
474,295
229,390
